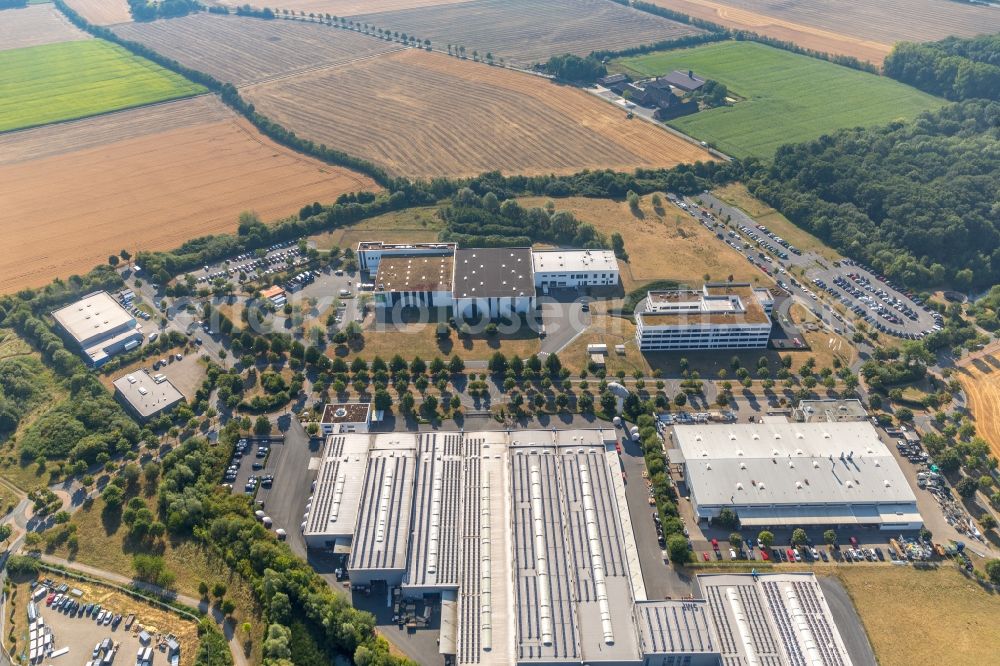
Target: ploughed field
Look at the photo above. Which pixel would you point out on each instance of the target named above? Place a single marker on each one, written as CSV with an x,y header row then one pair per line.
x,y
148,178
980,377
423,114
243,50
528,31
784,97
342,7
102,12
35,25
865,30
68,80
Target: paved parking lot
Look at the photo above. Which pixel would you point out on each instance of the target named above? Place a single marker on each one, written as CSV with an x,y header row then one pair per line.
x,y
564,318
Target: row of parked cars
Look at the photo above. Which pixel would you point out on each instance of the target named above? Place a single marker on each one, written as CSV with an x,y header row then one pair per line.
x,y
73,608
248,263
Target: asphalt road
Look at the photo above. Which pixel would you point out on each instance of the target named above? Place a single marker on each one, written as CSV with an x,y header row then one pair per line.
x,y
847,621
563,320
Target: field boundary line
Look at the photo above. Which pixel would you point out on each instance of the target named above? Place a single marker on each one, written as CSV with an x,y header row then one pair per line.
x,y
88,116
317,68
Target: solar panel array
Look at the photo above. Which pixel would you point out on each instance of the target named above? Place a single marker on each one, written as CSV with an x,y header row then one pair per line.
x,y
816,619
380,538
672,626
470,603
434,543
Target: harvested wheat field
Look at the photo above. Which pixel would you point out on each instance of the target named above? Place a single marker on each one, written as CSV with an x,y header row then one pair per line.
x,y
431,115
865,30
149,178
102,12
527,31
980,377
246,50
35,25
343,7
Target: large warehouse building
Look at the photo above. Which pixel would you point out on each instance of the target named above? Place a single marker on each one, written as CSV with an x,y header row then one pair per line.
x,y
718,316
527,538
795,474
100,326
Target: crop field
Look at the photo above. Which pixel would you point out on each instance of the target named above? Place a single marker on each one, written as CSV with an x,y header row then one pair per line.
x,y
247,50
527,31
941,612
76,192
786,98
980,377
472,118
865,30
344,7
56,82
36,25
102,12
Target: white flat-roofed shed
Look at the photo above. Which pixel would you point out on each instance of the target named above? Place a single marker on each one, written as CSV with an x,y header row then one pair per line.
x,y
773,619
795,474
333,510
99,325
145,397
381,537
574,268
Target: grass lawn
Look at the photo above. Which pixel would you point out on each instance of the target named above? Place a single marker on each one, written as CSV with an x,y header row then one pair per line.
x,y
941,613
662,244
413,225
785,97
736,194
63,81
421,340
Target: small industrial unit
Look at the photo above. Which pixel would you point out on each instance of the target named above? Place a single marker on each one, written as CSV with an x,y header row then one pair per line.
x,y
100,326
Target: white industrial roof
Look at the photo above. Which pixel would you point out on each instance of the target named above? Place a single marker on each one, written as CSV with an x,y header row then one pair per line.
x,y
573,261
334,509
773,619
93,315
145,395
790,463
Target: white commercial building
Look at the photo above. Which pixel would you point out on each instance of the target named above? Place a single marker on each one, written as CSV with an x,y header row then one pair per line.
x,y
795,474
493,282
343,417
574,268
370,253
718,316
146,396
100,326
414,281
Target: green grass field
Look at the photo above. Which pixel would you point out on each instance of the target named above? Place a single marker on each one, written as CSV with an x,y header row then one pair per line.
x,y
786,98
63,81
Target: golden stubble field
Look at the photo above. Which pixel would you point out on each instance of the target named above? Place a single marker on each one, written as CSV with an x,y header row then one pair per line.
x,y
865,30
102,12
980,377
343,7
423,114
35,25
149,179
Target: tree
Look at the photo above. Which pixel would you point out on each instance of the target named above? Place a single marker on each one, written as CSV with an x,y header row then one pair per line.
x,y
735,539
608,403
967,487
497,363
680,399
618,246
992,570
677,549
987,521
262,426
553,364
456,365
113,259
799,536
766,538
727,519
382,400
830,537
112,496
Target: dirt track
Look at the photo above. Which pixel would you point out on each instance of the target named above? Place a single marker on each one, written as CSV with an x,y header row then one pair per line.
x,y
153,187
35,25
424,114
861,29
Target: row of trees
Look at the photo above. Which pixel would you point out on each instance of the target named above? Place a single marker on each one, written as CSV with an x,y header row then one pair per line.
x,y
915,200
954,68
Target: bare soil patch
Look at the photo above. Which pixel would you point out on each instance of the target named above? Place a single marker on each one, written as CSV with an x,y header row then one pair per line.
x,y
35,25
473,118
246,50
125,181
526,31
861,29
102,12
